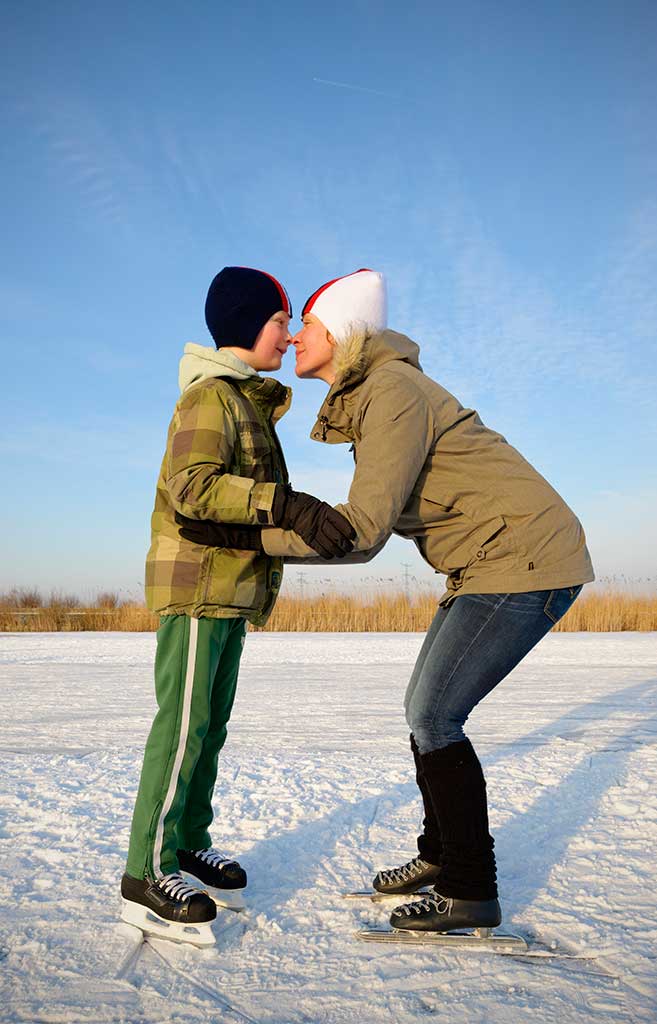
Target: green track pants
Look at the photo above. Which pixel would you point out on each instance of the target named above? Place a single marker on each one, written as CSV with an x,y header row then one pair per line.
x,y
196,668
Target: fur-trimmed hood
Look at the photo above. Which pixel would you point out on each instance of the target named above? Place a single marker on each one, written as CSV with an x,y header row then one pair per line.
x,y
360,353
356,358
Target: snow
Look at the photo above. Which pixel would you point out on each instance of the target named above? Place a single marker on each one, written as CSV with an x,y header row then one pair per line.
x,y
315,793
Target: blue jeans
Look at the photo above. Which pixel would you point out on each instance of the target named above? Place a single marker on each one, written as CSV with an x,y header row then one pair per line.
x,y
470,647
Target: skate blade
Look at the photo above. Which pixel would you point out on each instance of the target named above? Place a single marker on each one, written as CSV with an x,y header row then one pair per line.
x,y
151,924
479,939
229,899
384,897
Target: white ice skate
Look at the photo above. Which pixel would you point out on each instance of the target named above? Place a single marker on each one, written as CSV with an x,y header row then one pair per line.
x,y
168,909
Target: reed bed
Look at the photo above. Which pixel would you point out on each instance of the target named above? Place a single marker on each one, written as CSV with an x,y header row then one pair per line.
x,y
346,613
57,619
610,612
387,612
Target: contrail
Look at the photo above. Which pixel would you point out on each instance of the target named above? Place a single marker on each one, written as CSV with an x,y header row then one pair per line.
x,y
356,88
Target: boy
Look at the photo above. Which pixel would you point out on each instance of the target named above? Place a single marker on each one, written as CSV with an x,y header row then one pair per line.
x,y
223,462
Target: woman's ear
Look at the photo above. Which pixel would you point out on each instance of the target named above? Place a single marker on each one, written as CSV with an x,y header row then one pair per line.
x,y
331,340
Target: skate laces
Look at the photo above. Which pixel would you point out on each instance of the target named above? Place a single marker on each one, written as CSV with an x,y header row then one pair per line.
x,y
175,886
213,857
441,904
404,873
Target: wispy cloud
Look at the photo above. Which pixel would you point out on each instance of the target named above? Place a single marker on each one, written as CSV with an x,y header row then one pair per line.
x,y
354,88
491,325
89,159
123,170
631,281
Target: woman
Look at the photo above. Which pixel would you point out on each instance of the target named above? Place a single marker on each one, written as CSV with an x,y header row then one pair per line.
x,y
514,555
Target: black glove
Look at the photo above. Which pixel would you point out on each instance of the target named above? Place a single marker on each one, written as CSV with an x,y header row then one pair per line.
x,y
322,527
220,535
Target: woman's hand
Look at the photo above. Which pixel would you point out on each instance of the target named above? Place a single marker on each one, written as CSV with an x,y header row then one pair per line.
x,y
321,526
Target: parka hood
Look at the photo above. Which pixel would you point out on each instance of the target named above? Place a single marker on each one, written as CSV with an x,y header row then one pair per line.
x,y
199,362
356,358
359,354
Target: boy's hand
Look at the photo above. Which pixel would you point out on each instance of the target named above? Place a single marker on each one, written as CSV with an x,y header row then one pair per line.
x,y
220,535
321,526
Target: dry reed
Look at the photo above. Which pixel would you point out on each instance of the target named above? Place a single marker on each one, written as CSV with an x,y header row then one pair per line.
x,y
127,618
611,611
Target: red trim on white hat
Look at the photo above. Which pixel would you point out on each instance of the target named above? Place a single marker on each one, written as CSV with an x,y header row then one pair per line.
x,y
315,295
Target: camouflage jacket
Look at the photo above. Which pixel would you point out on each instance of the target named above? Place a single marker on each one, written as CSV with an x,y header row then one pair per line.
x,y
222,462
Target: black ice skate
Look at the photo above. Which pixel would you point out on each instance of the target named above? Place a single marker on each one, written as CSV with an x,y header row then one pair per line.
x,y
412,877
436,913
224,878
448,924
168,908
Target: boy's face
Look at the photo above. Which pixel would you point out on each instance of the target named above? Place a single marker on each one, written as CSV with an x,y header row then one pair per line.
x,y
271,344
315,349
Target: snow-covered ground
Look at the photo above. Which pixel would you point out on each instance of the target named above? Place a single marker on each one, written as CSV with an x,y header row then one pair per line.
x,y
315,793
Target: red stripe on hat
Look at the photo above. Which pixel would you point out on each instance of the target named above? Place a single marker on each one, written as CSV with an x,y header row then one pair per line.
x,y
285,298
315,295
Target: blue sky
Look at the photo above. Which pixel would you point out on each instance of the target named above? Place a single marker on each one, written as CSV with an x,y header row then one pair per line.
x,y
496,161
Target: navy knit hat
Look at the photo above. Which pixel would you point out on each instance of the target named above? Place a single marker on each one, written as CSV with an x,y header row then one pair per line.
x,y
240,302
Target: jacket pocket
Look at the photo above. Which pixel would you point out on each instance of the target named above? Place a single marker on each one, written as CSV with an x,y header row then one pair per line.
x,y
235,579
484,536
474,548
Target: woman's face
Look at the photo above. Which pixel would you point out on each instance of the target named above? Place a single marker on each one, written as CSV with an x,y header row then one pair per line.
x,y
315,349
271,344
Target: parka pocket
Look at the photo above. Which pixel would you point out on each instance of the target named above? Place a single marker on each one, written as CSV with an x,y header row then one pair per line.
x,y
475,548
484,536
235,579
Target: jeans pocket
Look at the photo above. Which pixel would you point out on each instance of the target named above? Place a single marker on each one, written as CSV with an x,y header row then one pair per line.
x,y
559,601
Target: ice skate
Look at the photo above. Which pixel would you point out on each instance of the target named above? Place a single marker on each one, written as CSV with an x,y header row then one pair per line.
x,y
436,913
450,923
224,878
168,908
414,876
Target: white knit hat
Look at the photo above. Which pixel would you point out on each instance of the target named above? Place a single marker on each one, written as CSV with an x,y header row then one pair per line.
x,y
356,301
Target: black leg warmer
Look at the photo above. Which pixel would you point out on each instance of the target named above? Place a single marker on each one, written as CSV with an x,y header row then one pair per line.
x,y
429,844
457,789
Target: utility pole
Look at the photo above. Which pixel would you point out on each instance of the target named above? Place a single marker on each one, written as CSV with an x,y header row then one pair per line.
x,y
407,579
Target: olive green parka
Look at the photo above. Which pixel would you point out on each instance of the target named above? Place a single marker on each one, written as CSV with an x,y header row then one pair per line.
x,y
430,470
